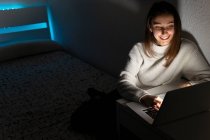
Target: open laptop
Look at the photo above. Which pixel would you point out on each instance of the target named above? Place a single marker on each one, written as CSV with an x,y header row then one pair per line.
x,y
177,104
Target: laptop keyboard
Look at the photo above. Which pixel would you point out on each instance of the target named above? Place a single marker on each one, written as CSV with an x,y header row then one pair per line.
x,y
151,112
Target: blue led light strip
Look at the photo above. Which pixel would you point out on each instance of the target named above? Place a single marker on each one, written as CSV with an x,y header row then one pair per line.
x,y
10,6
47,24
22,28
49,13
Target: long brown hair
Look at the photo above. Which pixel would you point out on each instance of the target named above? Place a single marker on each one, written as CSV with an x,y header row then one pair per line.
x,y
160,8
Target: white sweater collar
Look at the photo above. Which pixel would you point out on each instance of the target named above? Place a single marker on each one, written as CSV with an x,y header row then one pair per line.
x,y
159,50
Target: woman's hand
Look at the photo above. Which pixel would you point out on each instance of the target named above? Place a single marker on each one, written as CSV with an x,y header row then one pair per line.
x,y
152,101
183,85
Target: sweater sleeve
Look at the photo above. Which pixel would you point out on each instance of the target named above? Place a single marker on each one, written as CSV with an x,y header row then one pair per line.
x,y
128,77
197,69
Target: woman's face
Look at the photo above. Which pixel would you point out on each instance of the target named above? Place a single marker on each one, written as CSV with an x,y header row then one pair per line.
x,y
162,28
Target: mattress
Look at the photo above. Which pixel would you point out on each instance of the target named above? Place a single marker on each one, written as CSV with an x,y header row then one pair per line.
x,y
38,94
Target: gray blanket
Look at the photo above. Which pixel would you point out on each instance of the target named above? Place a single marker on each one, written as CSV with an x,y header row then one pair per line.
x,y
39,93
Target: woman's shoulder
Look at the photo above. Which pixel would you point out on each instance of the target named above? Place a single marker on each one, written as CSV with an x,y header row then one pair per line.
x,y
188,45
139,46
186,42
137,49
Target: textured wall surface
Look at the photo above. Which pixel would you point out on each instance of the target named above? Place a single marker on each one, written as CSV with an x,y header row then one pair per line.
x,y
196,22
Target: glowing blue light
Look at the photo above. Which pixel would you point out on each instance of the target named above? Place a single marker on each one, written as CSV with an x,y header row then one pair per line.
x,y
47,24
23,28
11,6
50,21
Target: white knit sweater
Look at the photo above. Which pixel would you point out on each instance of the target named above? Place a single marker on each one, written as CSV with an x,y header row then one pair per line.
x,y
142,72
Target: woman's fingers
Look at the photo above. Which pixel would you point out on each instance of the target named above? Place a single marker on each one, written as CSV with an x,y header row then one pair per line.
x,y
157,103
152,101
157,106
158,100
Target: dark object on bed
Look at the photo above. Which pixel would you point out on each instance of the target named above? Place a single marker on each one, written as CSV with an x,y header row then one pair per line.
x,y
97,116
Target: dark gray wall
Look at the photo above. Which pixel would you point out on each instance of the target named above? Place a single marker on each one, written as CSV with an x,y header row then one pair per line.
x,y
100,32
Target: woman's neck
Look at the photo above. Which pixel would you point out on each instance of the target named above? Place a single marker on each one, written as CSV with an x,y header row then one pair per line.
x,y
158,49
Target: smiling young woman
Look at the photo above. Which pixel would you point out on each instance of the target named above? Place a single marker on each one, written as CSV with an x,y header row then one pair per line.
x,y
162,16
162,28
163,58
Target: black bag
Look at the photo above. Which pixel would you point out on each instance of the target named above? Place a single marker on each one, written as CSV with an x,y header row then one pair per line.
x,y
98,115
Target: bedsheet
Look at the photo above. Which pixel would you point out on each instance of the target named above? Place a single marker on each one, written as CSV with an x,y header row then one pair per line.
x,y
38,94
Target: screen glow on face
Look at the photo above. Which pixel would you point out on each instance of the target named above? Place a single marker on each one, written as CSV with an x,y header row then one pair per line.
x,y
163,29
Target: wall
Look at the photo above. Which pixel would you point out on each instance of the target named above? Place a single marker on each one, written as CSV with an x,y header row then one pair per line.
x,y
100,32
196,22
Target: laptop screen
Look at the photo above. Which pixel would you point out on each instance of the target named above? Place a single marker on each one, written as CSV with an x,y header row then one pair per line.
x,y
184,102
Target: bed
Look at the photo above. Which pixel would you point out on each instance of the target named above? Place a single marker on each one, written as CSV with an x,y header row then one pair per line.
x,y
41,85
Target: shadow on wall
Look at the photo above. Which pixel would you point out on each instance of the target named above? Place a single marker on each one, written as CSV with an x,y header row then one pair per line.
x,y
188,35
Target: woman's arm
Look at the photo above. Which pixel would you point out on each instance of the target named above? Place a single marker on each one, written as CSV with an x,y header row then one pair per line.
x,y
128,79
196,70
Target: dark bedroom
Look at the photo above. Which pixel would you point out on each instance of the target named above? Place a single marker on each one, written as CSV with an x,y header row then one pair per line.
x,y
60,63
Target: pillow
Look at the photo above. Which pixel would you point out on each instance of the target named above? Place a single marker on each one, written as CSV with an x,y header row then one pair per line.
x,y
27,48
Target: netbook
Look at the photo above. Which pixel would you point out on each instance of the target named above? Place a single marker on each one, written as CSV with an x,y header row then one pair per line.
x,y
177,104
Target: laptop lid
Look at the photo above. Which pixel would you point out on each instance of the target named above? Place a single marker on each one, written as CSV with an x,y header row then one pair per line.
x,y
183,102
